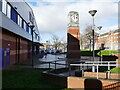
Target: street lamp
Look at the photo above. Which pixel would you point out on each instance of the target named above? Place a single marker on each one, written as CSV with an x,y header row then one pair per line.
x,y
46,45
32,27
100,27
93,12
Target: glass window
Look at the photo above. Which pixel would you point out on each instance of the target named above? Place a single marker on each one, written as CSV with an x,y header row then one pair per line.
x,y
4,6
14,15
25,26
8,10
0,5
22,23
29,30
19,21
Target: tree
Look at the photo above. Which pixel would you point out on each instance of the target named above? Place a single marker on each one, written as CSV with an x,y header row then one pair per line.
x,y
56,41
87,37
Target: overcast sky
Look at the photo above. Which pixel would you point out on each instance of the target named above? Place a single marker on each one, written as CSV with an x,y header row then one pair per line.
x,y
52,15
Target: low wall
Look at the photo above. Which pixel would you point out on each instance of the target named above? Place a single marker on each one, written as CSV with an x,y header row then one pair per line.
x,y
55,79
114,76
118,55
77,83
102,75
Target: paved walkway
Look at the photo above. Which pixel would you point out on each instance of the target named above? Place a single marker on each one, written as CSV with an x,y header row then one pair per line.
x,y
51,58
40,63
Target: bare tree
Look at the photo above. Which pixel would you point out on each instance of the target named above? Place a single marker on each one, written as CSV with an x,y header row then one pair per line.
x,y
56,41
87,37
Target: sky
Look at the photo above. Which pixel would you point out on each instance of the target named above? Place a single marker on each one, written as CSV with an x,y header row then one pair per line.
x,y
52,15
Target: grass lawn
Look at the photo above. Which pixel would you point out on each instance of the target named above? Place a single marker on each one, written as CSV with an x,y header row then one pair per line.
x,y
98,52
26,78
107,52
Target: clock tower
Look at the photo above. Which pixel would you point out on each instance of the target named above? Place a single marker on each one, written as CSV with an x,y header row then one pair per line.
x,y
73,18
73,37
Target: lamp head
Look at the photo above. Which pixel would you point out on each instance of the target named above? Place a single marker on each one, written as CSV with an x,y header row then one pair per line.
x,y
92,12
32,26
99,27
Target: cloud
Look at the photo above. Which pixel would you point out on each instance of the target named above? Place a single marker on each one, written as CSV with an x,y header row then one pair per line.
x,y
51,15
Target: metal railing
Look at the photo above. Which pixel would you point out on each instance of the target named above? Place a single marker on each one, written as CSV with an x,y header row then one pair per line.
x,y
55,62
98,64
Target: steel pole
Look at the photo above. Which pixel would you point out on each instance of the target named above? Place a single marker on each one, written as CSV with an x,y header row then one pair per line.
x,y
93,69
32,49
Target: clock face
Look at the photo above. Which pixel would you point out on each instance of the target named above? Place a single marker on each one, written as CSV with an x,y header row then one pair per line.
x,y
74,18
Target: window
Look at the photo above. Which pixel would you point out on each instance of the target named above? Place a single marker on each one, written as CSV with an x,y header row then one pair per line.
x,y
0,5
22,23
14,15
25,26
4,6
29,30
8,11
19,21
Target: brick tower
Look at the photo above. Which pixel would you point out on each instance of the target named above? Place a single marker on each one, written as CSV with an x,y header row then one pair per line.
x,y
73,37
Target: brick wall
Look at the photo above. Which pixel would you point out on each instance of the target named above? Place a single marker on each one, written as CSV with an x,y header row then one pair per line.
x,y
78,83
9,41
19,47
24,49
75,82
94,74
118,55
101,75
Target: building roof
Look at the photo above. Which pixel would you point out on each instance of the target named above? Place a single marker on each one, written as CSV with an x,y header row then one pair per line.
x,y
115,31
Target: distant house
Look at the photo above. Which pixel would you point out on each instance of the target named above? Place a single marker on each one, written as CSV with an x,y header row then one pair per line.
x,y
109,40
15,32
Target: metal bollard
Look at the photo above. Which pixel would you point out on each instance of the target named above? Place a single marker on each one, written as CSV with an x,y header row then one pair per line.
x,y
55,65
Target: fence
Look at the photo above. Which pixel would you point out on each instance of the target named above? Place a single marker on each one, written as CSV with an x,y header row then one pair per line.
x,y
55,62
97,64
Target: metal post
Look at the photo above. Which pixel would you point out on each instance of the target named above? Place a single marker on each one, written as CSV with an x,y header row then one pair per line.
x,y
32,26
93,68
93,39
55,65
69,70
97,72
93,46
49,65
32,49
108,70
101,59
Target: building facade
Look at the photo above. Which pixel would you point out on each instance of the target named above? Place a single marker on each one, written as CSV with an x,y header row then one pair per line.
x,y
109,40
16,33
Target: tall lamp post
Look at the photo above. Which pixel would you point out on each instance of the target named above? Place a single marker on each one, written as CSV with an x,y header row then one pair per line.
x,y
100,27
93,12
32,27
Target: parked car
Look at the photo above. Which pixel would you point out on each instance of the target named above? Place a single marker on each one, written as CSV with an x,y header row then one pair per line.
x,y
48,51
